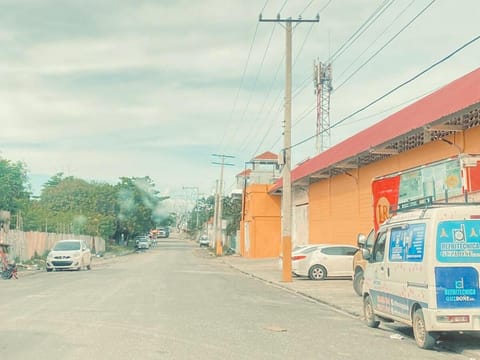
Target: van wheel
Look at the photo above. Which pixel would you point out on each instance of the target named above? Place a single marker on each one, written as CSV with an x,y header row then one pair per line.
x,y
424,339
317,272
358,282
370,318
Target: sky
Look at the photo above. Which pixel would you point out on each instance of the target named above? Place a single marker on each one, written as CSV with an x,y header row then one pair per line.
x,y
130,88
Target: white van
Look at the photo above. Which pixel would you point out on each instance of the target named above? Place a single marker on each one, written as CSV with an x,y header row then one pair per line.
x,y
423,270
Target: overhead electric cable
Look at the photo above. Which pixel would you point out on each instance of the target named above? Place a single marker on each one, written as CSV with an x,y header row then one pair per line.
x,y
306,7
370,20
295,94
283,6
243,77
396,88
377,38
373,17
241,122
385,45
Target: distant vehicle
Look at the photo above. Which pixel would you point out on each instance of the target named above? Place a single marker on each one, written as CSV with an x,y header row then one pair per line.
x,y
203,240
163,232
142,242
69,255
323,261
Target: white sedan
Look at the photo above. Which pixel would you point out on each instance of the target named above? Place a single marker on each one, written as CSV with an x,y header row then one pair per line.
x,y
324,261
69,255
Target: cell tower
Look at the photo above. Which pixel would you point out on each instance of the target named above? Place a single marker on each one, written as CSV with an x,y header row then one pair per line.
x,y
322,80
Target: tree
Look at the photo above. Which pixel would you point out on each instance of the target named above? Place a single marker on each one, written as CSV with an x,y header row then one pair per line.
x,y
14,187
137,206
232,209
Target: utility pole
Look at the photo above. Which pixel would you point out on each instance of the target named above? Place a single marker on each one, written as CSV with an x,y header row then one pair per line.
x,y
287,137
218,206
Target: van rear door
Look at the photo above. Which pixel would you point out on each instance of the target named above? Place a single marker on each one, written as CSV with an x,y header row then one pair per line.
x,y
458,263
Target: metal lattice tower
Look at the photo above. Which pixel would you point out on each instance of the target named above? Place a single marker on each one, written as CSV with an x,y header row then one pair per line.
x,y
322,80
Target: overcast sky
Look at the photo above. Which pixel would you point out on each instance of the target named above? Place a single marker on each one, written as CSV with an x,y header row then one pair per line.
x,y
110,88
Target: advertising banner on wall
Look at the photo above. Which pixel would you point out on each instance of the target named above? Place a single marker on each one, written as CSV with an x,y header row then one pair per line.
x,y
439,181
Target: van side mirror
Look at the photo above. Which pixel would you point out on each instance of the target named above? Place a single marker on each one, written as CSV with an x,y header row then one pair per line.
x,y
361,241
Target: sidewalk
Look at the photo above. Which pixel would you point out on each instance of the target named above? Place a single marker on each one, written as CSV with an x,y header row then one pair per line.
x,y
335,293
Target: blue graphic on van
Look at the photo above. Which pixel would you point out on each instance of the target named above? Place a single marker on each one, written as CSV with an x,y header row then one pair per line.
x,y
458,241
407,243
457,287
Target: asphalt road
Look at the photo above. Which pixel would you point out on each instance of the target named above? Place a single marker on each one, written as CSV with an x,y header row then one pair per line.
x,y
178,302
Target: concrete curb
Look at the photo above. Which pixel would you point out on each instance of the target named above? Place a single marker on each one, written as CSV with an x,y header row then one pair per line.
x,y
297,292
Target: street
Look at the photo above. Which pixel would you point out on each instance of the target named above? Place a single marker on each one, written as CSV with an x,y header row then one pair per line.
x,y
176,301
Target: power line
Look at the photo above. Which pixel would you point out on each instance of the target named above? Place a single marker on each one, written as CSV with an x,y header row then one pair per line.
x,y
308,111
377,38
370,20
396,87
243,76
296,92
248,138
386,44
256,80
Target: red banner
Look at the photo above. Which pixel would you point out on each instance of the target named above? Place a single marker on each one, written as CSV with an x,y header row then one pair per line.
x,y
385,197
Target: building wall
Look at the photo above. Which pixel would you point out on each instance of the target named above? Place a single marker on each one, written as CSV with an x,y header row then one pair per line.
x,y
341,207
300,226
260,235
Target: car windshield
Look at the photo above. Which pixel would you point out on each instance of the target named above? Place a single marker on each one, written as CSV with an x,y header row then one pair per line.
x,y
67,246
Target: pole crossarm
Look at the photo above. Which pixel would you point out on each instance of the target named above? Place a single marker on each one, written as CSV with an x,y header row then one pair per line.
x,y
289,20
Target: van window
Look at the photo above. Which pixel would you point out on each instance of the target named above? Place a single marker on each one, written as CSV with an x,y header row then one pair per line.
x,y
379,247
458,241
407,243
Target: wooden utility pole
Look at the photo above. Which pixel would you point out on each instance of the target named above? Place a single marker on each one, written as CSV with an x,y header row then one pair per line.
x,y
218,206
286,175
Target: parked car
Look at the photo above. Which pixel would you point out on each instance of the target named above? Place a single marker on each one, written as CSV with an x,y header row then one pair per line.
x,y
69,255
203,240
296,250
323,261
142,242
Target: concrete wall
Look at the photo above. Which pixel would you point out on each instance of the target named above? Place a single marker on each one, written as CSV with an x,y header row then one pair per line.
x,y
260,235
24,245
341,207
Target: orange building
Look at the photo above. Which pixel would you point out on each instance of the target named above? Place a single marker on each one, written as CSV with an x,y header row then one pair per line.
x,y
335,185
260,228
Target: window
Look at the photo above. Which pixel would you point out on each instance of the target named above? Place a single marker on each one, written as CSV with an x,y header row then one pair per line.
x,y
407,243
340,250
379,247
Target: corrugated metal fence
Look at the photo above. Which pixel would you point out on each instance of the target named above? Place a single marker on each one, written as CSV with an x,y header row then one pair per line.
x,y
24,245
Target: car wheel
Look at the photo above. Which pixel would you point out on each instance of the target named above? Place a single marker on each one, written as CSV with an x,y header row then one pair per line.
x,y
89,266
358,282
49,270
317,272
424,339
370,318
